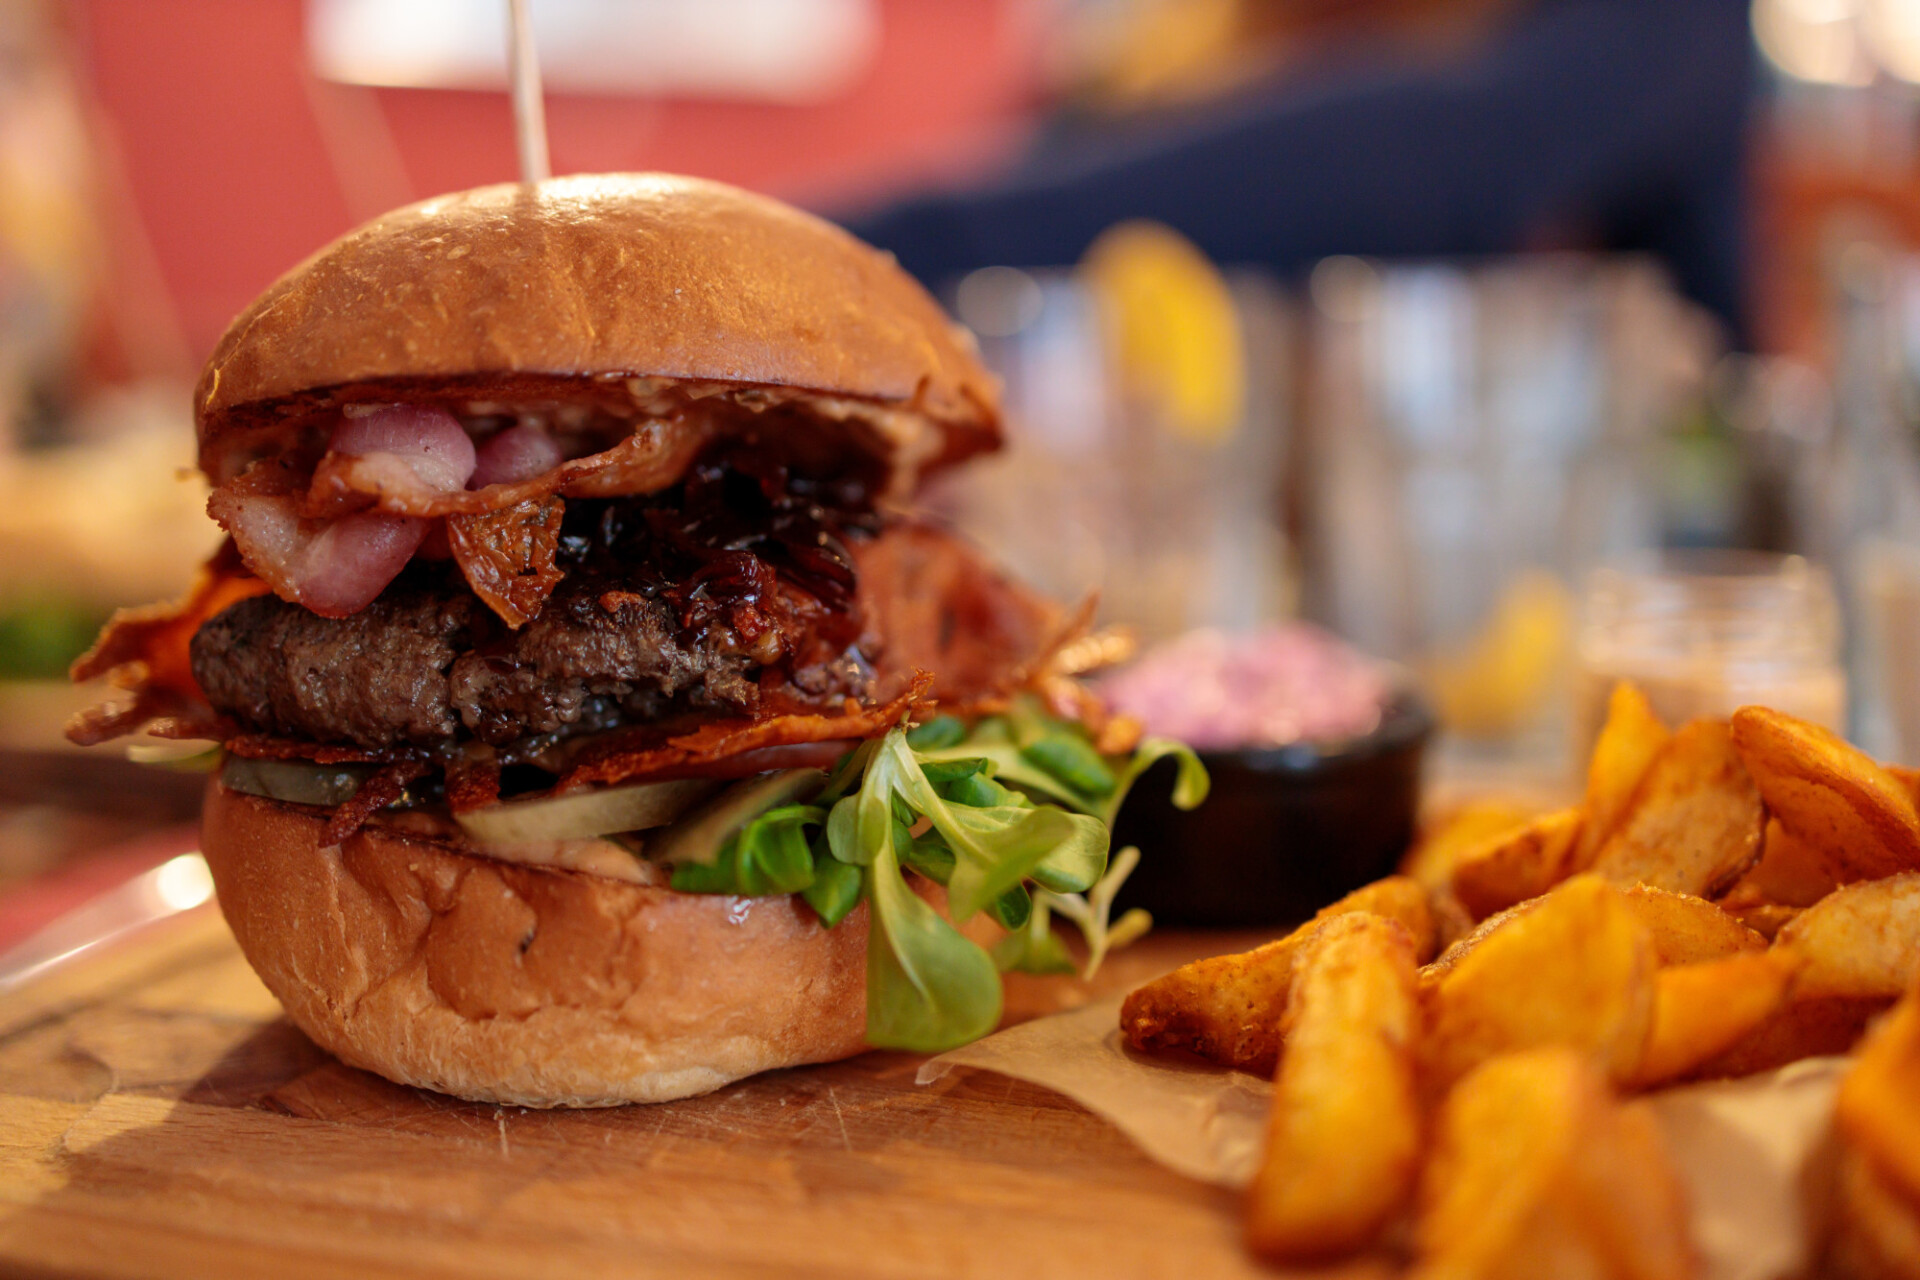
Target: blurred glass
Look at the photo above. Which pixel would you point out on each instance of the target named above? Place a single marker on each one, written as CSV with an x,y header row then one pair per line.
x,y
1153,486
1476,438
1704,632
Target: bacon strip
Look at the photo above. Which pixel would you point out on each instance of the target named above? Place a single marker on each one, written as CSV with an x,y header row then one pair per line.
x,y
375,794
145,650
509,555
656,454
625,755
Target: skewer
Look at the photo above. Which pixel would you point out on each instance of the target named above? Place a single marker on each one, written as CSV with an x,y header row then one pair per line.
x,y
529,107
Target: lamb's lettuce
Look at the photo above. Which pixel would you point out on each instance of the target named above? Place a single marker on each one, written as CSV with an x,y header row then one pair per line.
x,y
1012,815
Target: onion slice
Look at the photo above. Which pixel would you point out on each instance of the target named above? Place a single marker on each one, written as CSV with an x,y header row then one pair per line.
x,y
579,814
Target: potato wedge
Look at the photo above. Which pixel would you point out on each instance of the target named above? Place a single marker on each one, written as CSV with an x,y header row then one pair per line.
x,y
1576,969
1343,1138
1694,823
1765,918
1458,949
1863,940
1791,871
1830,794
1228,1009
1874,1233
1878,1110
1800,1028
1689,930
1519,865
1630,739
1456,834
1703,1009
1538,1171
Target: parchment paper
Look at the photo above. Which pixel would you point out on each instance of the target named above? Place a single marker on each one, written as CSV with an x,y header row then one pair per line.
x,y
1740,1145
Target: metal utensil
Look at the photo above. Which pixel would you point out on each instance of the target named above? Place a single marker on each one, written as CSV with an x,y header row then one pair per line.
x,y
177,885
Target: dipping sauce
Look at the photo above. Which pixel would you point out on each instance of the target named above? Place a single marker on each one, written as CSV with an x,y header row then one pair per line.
x,y
1268,688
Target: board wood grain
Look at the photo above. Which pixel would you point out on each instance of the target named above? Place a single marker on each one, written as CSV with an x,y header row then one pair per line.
x,y
159,1117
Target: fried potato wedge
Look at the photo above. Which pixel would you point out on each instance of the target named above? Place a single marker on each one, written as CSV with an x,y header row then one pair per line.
x,y
1830,794
1863,940
1878,1110
1575,969
1765,918
1704,1009
1519,865
1689,930
1343,1138
1228,1009
1693,825
1537,1171
1874,1233
1630,739
1458,833
1790,872
1800,1028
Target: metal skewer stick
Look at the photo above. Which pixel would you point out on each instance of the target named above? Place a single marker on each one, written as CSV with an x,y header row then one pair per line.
x,y
529,107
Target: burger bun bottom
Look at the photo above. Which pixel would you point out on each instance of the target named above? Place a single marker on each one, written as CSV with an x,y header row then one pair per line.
x,y
442,968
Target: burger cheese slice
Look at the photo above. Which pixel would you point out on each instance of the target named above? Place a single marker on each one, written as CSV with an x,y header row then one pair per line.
x,y
595,723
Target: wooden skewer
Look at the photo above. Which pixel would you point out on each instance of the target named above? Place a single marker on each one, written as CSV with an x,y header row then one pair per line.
x,y
529,107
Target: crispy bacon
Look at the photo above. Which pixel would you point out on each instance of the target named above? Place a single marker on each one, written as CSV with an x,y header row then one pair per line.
x,y
336,564
145,650
933,603
508,556
649,752
657,453
375,794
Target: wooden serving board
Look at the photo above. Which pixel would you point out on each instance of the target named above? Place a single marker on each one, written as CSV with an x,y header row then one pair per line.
x,y
159,1117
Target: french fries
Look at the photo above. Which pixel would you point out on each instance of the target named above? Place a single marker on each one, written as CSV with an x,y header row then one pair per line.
x,y
1878,1111
1537,1171
1693,825
1518,865
1800,1028
1876,1209
1343,1139
1729,898
1627,745
1830,794
1228,1009
1465,830
1875,1231
1576,970
1689,930
1863,940
1705,1008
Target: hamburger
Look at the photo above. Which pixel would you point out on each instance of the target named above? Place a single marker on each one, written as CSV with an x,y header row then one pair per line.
x,y
595,721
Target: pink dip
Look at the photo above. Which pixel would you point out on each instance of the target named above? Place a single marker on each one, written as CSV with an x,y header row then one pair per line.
x,y
1268,688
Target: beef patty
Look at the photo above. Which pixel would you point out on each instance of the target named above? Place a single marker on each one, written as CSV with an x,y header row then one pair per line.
x,y
426,665
690,599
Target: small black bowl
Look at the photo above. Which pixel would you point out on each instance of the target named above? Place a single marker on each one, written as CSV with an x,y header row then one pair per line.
x,y
1285,830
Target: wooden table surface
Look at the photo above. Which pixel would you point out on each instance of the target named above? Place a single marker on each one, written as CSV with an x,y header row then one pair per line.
x,y
158,1117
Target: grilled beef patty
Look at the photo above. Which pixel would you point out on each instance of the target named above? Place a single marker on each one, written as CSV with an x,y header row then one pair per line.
x,y
690,599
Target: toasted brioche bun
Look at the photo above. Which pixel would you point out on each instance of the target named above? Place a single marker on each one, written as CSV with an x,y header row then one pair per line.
x,y
520,290
525,985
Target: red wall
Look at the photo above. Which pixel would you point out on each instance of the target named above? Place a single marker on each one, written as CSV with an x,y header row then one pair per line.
x,y
233,162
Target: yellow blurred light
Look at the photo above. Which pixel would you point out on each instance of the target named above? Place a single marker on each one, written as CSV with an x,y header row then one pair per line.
x,y
1817,41
1174,326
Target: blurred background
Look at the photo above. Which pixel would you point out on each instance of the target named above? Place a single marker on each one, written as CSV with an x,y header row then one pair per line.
x,y
1434,322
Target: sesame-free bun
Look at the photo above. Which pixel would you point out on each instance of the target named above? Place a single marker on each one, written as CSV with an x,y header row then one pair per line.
x,y
525,985
603,277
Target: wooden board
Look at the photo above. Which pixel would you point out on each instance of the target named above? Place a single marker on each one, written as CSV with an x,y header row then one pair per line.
x,y
158,1117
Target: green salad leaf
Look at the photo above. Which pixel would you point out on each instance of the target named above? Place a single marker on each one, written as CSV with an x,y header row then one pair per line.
x,y
1012,815
769,855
